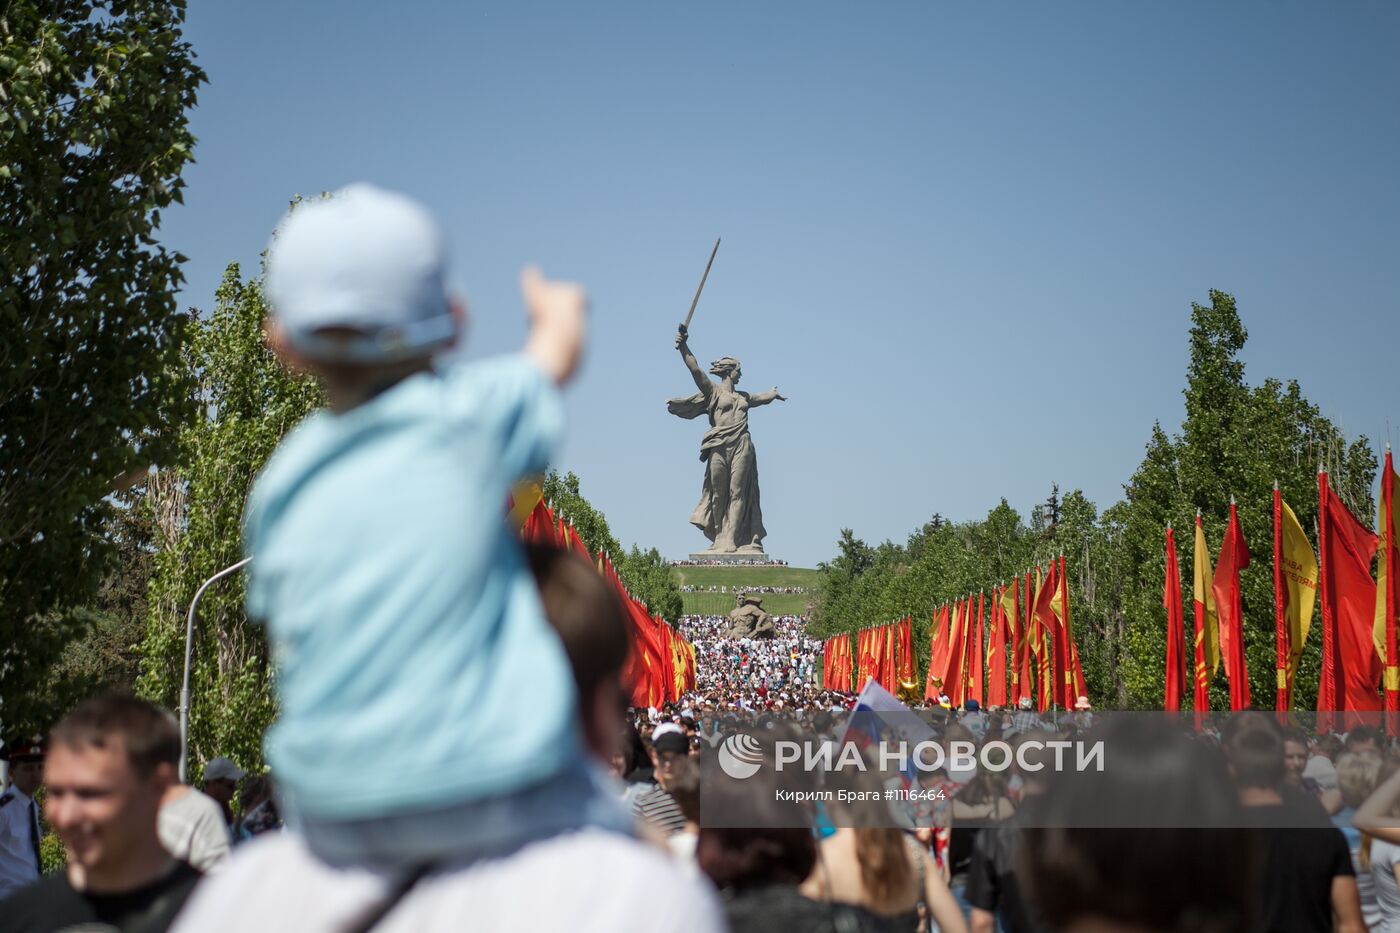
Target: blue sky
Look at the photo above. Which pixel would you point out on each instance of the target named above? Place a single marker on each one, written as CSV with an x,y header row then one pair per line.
x,y
963,238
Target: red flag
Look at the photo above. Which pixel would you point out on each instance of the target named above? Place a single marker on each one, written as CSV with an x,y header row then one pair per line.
x,y
668,659
1045,619
1233,557
1176,628
577,544
952,673
892,656
1351,670
832,680
996,654
539,525
865,658
888,643
940,644
860,665
976,668
1018,639
644,676
906,650
1023,663
1078,687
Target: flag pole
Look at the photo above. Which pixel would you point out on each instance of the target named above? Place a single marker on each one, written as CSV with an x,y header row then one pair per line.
x,y
1282,647
1327,685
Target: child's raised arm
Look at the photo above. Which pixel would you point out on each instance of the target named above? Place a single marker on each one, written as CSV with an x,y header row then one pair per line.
x,y
556,311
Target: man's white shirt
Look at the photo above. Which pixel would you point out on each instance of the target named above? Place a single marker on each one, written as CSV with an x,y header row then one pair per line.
x,y
590,880
192,828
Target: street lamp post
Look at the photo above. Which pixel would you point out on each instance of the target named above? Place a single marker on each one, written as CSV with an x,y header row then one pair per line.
x,y
189,658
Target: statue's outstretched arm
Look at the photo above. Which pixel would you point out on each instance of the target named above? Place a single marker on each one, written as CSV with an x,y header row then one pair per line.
x,y
763,398
702,381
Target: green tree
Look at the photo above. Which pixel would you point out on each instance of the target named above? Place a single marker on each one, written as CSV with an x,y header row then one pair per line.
x,y
246,403
645,574
1235,440
93,141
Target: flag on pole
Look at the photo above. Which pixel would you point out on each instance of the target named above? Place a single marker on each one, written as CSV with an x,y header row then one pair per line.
x,y
905,652
539,525
996,652
940,644
1233,557
1011,604
877,712
1047,622
1176,628
1207,631
1295,591
524,497
889,656
1351,670
1029,645
1070,683
1383,630
975,666
957,661
1081,689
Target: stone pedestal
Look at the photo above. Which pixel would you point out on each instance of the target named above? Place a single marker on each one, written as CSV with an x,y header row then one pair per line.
x,y
732,557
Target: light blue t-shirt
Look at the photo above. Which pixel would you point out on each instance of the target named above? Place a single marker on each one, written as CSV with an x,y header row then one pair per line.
x,y
415,668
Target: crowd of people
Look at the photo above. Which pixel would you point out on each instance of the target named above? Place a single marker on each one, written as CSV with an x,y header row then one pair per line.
x,y
786,665
725,588
728,562
454,751
1302,830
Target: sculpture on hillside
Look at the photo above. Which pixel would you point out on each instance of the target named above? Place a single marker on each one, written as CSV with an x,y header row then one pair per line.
x,y
748,620
729,512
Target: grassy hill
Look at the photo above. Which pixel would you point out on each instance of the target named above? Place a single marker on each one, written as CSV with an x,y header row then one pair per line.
x,y
741,577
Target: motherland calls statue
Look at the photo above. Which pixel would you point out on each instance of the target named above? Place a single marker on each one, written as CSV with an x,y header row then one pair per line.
x,y
728,513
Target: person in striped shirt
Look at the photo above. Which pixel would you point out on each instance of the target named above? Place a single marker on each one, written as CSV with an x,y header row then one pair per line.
x,y
656,806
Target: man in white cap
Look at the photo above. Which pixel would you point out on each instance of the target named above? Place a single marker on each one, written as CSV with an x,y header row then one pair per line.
x,y
656,806
221,777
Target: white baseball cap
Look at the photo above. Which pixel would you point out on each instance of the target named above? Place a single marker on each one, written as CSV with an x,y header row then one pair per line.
x,y
664,728
222,769
366,260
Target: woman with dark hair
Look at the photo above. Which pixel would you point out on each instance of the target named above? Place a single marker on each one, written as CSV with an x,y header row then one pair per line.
x,y
631,765
765,850
877,869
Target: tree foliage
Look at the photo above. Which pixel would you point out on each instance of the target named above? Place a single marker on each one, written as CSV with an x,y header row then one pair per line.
x,y
246,402
1235,440
645,573
93,141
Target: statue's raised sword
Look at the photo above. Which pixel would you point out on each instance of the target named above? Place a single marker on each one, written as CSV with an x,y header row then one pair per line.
x,y
685,328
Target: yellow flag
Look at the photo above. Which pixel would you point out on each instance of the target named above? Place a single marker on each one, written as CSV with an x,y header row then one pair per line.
x,y
1388,524
524,496
1300,583
1008,603
1034,622
1201,582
